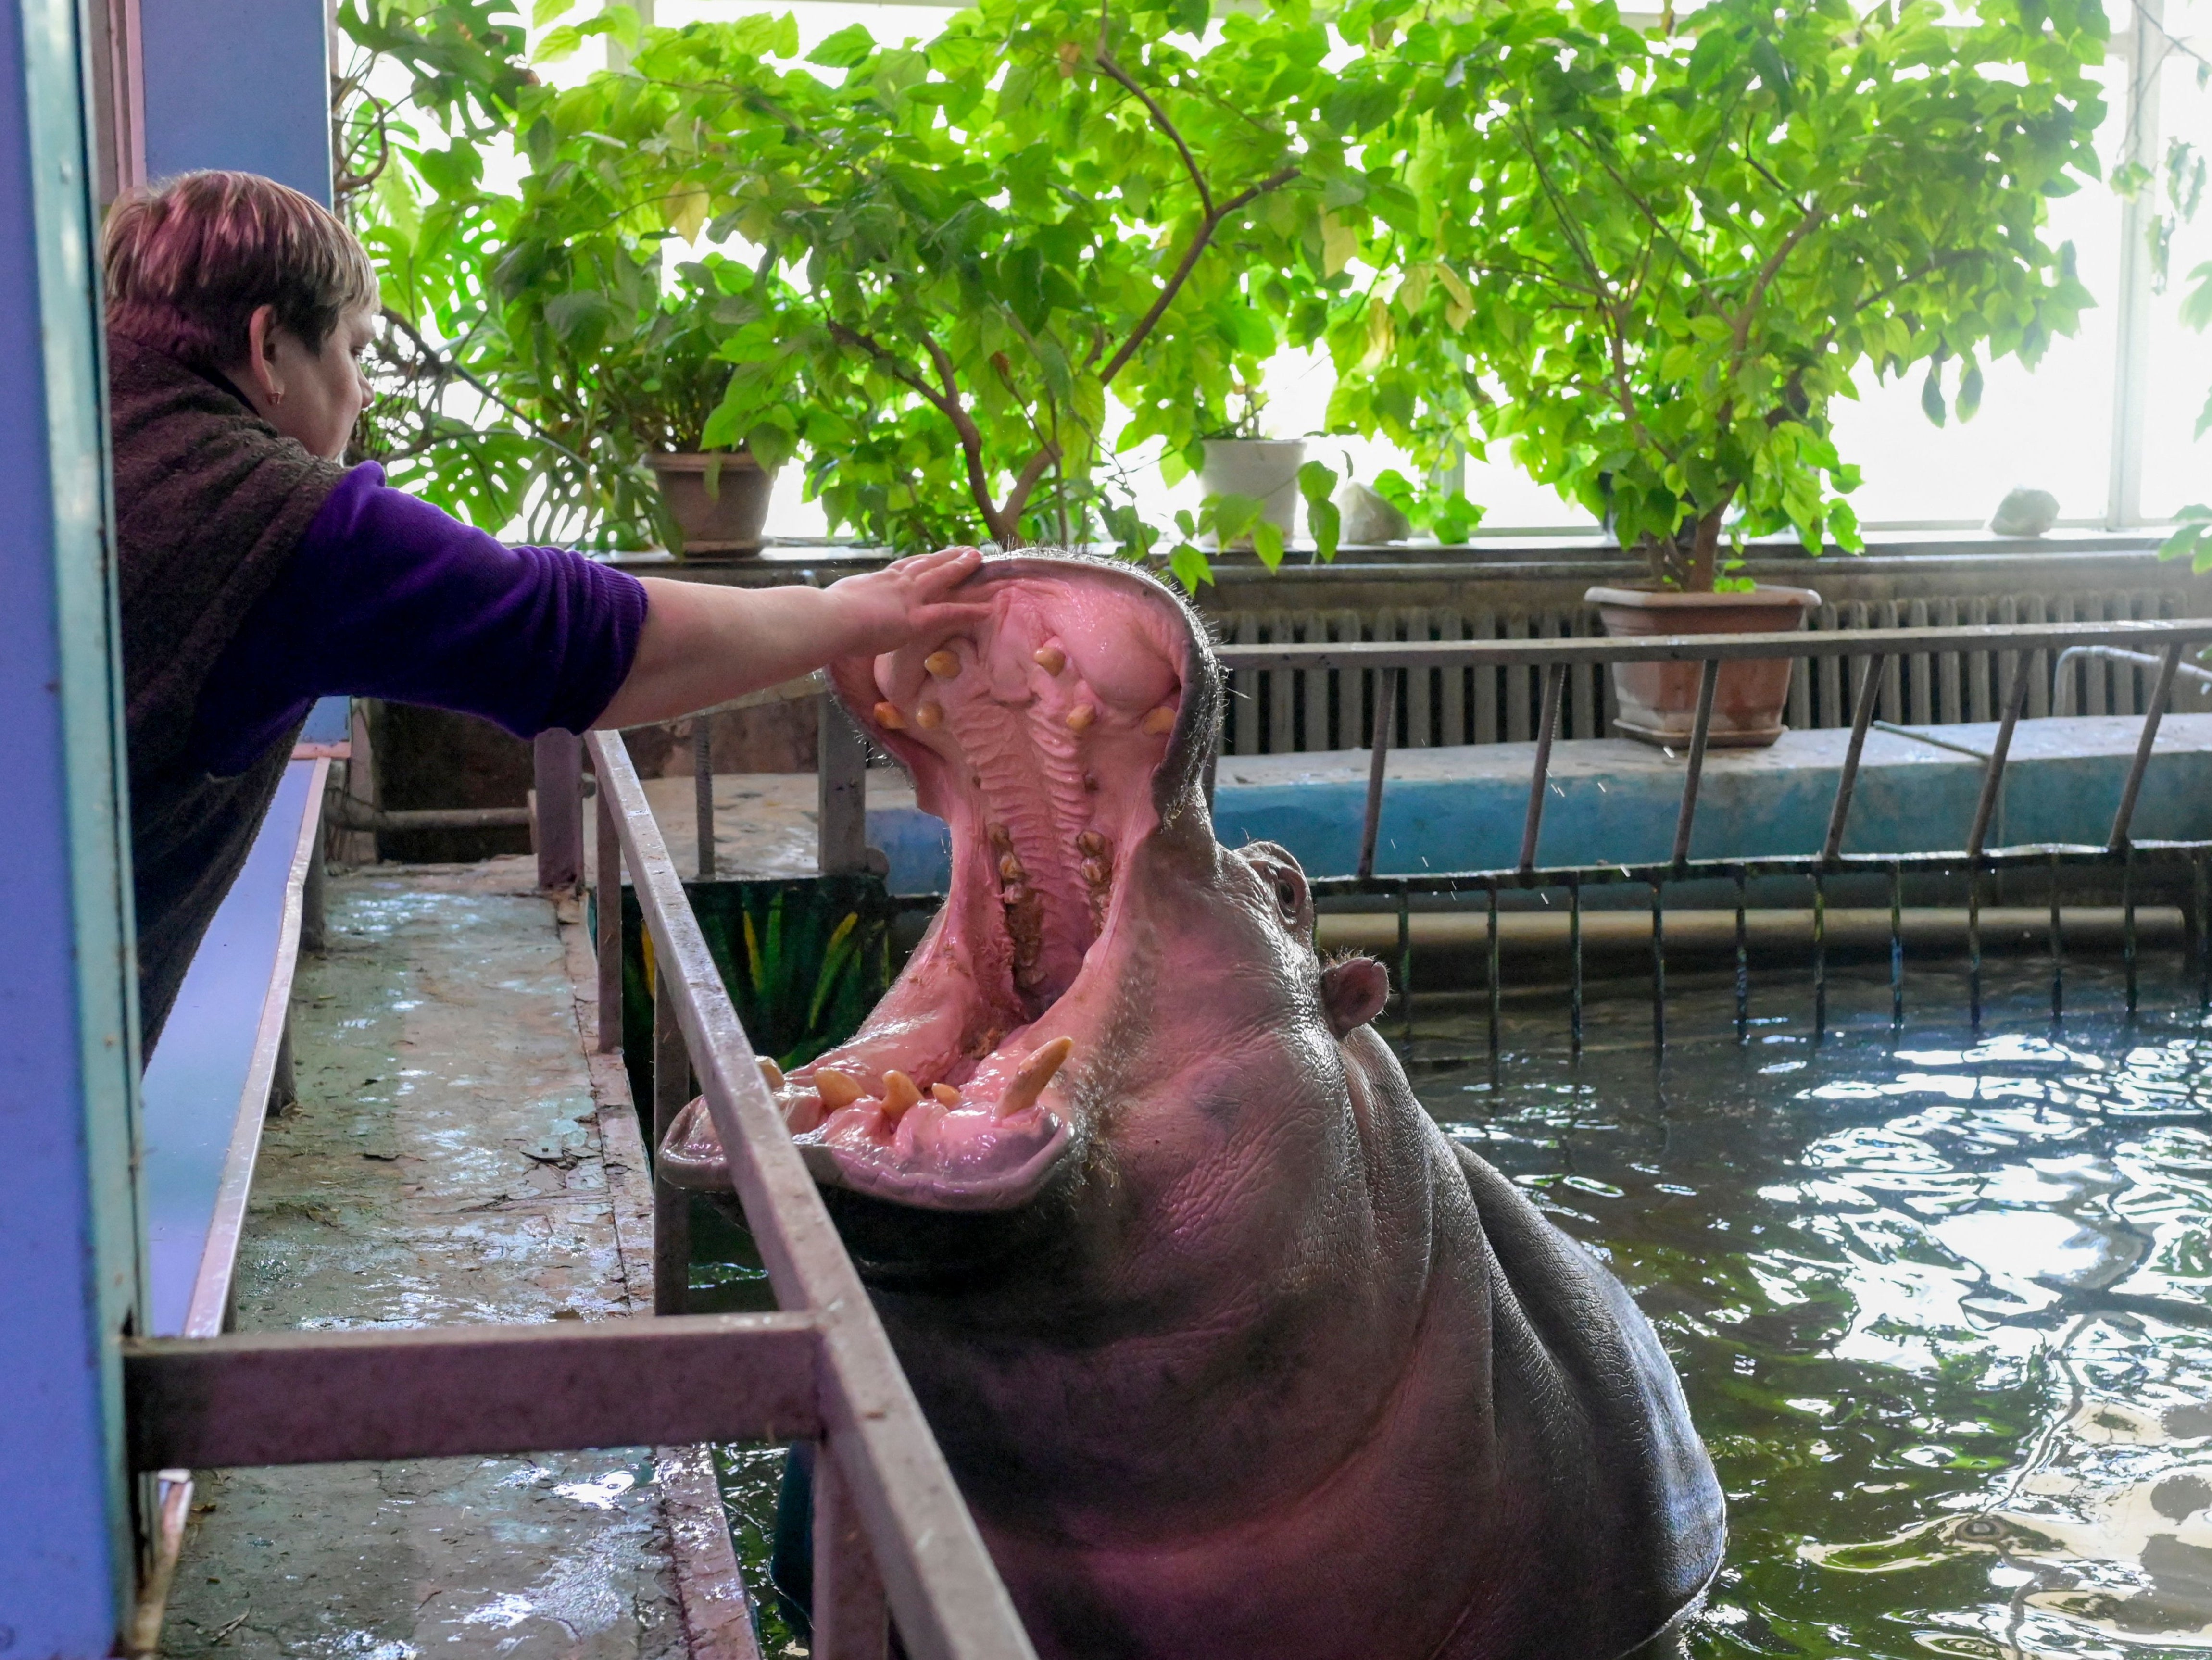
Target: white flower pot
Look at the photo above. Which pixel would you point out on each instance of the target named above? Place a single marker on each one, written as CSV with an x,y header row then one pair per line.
x,y
1264,467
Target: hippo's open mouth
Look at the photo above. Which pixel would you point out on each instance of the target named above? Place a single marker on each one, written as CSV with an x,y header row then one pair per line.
x,y
1053,738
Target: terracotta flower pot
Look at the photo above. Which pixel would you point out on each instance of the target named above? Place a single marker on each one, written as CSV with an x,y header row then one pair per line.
x,y
724,520
1657,702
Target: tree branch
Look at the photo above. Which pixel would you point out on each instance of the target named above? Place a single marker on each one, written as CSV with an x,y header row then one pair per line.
x,y
449,366
1114,72
946,404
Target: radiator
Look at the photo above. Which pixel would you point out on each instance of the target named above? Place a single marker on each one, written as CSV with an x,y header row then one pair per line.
x,y
1280,712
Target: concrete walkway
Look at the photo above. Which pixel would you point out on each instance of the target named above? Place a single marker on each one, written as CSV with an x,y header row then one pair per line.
x,y
454,1157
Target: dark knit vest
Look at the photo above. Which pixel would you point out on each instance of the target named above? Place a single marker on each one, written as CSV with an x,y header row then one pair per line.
x,y
210,501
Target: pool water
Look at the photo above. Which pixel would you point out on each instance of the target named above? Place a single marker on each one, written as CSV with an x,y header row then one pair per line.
x,y
1939,1296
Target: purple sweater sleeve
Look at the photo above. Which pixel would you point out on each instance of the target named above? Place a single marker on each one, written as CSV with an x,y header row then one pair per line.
x,y
390,597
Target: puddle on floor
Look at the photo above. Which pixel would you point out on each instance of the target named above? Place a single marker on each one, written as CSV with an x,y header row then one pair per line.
x,y
1939,1296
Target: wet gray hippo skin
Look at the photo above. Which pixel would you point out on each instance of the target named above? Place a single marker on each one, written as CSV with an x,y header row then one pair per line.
x,y
1233,1353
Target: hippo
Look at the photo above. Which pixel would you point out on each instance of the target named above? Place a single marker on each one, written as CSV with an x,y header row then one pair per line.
x,y
1233,1353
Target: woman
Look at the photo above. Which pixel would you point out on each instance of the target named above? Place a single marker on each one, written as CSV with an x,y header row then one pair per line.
x,y
258,574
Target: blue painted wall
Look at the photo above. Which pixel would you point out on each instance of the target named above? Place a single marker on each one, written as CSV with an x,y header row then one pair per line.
x,y
69,1243
238,83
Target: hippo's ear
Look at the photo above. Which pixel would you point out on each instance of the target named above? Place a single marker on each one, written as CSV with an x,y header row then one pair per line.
x,y
1354,992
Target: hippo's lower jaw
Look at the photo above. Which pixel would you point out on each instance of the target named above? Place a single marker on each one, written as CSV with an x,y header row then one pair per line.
x,y
1046,737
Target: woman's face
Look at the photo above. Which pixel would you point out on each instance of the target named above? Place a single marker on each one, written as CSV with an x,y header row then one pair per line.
x,y
314,398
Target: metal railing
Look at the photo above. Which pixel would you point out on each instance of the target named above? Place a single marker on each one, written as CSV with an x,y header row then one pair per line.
x,y
1390,661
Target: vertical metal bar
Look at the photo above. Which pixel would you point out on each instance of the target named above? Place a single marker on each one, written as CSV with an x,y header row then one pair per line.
x,y
314,901
1378,745
1708,680
1974,944
1496,991
841,792
702,793
2160,693
1819,956
851,1620
1847,781
2128,926
1993,773
1555,680
2057,946
1405,968
2200,944
610,931
1575,962
1897,943
557,766
1742,960
671,1206
1658,967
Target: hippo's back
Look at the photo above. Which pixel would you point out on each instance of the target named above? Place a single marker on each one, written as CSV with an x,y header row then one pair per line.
x,y
1629,1523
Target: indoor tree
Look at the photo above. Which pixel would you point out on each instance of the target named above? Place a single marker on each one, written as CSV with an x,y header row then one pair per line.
x,y
1651,261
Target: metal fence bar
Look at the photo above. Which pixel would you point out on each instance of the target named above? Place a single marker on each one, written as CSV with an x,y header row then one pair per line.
x,y
1555,681
2162,693
702,793
1386,718
2057,947
1847,781
608,942
1709,677
851,1620
841,823
1896,944
1364,656
2062,695
1575,964
1658,965
671,1205
557,769
1993,773
945,1593
1742,959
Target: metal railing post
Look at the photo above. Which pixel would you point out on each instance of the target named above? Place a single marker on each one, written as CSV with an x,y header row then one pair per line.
x,y
1847,781
851,1621
2160,693
608,898
1378,743
671,1205
841,792
557,769
1708,678
1555,681
1993,772
703,792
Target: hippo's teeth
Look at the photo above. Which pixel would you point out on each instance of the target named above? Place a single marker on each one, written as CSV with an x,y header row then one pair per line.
x,y
1033,1075
948,1093
1001,838
1009,868
899,1095
1091,842
1161,719
1051,659
1094,871
1081,717
943,664
929,716
1014,893
837,1090
771,1073
888,716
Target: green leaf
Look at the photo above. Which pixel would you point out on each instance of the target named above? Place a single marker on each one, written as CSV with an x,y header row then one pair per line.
x,y
1267,543
546,11
1970,390
1931,394
1190,566
847,48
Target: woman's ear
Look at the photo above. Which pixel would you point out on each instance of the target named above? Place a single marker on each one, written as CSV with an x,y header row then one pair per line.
x,y
1353,992
261,355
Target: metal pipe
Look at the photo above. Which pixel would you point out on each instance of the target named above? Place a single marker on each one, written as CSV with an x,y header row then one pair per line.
x,y
850,1618
557,764
1658,967
948,1599
1378,743
1405,971
1555,681
702,793
348,814
671,1205
2058,949
2152,715
1742,959
1847,782
1495,993
2062,688
1709,675
1896,944
1575,964
1974,943
607,897
1993,774
2203,916
2128,927
1820,957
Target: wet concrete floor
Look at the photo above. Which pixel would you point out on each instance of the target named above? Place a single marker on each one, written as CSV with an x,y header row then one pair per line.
x,y
445,1163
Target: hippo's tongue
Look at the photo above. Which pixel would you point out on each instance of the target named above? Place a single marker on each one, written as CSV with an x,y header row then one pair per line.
x,y
1050,738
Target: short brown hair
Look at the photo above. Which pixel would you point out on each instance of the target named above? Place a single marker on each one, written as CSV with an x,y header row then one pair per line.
x,y
188,260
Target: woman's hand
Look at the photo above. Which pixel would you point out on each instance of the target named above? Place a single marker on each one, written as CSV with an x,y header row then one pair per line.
x,y
904,600
703,645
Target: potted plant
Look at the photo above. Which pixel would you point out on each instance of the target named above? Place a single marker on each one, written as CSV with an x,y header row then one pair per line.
x,y
1249,477
1651,261
987,235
